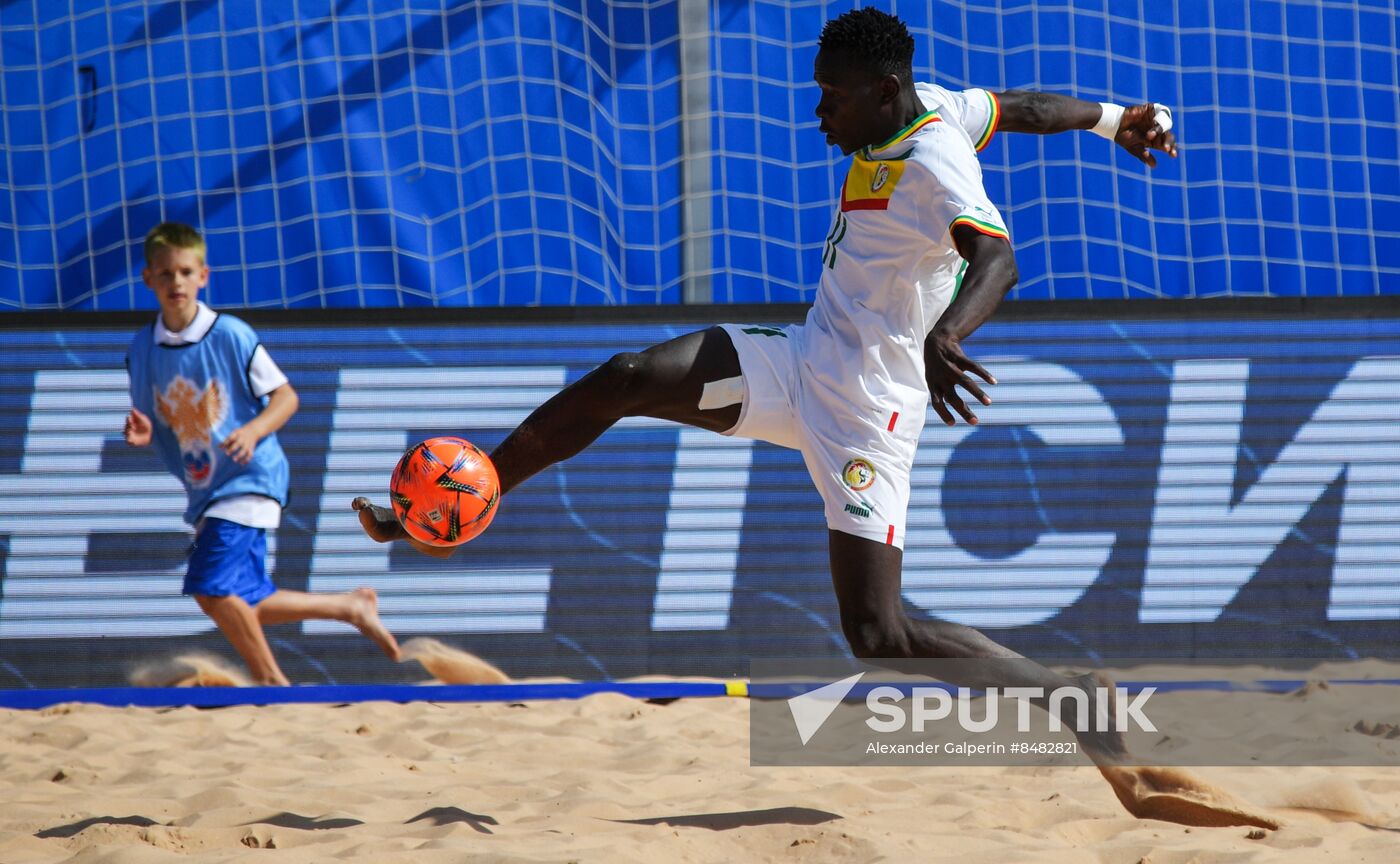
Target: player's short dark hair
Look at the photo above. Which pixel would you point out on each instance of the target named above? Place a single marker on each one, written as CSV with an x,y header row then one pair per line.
x,y
871,38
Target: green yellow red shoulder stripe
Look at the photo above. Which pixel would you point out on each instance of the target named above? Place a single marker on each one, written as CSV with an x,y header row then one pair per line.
x,y
978,225
991,121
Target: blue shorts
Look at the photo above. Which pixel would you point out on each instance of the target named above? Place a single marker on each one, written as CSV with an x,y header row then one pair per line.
x,y
228,559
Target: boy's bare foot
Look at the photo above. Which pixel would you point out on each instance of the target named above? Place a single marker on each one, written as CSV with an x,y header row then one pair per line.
x,y
365,618
378,522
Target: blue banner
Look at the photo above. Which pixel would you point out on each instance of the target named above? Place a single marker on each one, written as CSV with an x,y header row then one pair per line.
x,y
1192,488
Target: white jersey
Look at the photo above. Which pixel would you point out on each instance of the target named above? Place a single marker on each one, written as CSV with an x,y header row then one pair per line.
x,y
847,387
976,111
892,268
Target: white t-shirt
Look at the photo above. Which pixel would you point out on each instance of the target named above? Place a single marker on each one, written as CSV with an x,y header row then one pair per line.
x,y
264,376
891,269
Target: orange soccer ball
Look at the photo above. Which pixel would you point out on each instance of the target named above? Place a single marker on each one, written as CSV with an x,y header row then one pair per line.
x,y
444,491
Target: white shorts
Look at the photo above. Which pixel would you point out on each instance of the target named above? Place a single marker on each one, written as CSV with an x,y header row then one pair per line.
x,y
860,469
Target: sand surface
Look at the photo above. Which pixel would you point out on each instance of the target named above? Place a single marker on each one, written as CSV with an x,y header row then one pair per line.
x,y
603,779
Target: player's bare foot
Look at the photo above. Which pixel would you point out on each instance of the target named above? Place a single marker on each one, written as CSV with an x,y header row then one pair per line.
x,y
379,523
382,526
1108,747
364,616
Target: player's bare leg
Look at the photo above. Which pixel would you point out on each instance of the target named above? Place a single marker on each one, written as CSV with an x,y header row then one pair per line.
x,y
358,608
867,578
239,624
665,381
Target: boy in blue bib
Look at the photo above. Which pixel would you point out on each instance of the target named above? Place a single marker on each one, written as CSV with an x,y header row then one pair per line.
x,y
209,396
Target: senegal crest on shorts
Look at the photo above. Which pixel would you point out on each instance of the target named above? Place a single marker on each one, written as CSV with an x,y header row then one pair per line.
x,y
858,474
192,415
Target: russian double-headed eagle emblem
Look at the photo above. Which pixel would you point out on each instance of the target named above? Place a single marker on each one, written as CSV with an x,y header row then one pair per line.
x,y
193,415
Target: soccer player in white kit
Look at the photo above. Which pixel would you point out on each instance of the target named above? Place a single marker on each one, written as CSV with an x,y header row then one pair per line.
x,y
915,260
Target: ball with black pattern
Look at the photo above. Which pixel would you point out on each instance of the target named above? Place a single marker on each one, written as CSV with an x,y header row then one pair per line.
x,y
444,491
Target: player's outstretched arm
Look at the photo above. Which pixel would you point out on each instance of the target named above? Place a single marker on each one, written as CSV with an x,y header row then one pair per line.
x,y
1139,129
380,525
991,271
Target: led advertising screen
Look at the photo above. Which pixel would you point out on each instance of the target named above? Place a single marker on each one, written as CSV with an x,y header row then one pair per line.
x,y
1198,489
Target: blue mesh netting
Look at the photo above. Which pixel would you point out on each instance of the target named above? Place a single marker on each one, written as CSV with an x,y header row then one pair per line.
x,y
392,153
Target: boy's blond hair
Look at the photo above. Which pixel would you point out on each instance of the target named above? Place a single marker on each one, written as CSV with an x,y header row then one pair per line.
x,y
173,235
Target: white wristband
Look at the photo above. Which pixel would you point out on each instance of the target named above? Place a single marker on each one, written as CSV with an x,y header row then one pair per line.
x,y
1163,116
1107,127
